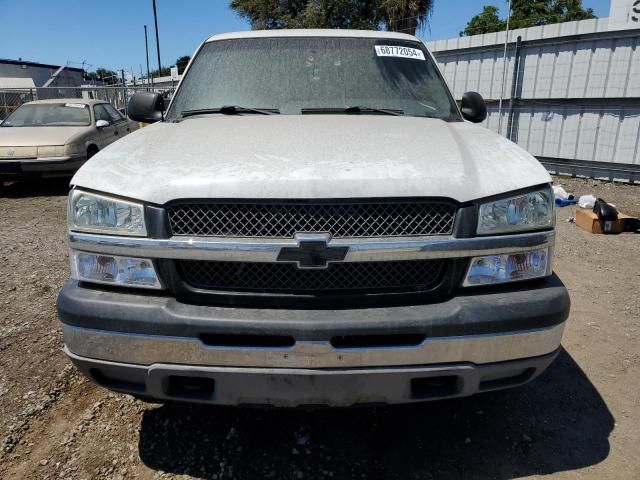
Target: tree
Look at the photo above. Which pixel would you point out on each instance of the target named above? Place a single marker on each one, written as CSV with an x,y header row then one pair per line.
x,y
182,63
527,13
486,22
405,16
397,15
166,71
569,11
103,75
273,14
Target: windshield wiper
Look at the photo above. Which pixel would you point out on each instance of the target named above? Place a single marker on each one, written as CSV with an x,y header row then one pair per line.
x,y
352,109
230,110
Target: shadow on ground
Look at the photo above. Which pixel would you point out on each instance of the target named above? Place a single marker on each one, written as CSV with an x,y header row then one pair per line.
x,y
559,422
36,187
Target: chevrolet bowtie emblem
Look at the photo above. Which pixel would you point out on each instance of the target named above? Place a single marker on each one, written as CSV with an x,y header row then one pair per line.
x,y
312,251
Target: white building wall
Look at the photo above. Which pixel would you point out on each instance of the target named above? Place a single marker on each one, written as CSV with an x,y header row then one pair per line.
x,y
593,134
578,90
590,68
624,14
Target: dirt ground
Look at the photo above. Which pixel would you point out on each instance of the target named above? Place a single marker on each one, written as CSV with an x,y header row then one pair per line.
x,y
581,419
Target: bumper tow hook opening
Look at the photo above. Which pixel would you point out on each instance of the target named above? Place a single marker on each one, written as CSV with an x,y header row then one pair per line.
x,y
198,388
434,387
373,341
248,341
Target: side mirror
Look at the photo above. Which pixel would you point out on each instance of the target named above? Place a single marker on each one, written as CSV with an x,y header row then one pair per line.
x,y
146,107
473,107
102,123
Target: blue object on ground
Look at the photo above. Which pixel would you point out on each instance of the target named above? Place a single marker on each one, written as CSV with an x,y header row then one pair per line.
x,y
561,202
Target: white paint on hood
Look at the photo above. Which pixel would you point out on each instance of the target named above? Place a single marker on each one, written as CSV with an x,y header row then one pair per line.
x,y
310,156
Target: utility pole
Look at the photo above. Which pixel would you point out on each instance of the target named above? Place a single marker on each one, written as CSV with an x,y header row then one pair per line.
x,y
155,21
146,47
124,90
504,67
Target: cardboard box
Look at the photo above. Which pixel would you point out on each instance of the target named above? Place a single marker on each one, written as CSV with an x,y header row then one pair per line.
x,y
587,220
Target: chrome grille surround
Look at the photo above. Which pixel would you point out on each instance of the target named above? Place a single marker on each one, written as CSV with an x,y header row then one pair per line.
x,y
340,219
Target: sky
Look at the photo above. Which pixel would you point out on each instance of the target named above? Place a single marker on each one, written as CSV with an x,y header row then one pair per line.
x,y
111,34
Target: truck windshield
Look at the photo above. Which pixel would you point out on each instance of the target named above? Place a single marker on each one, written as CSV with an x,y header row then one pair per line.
x,y
315,75
49,115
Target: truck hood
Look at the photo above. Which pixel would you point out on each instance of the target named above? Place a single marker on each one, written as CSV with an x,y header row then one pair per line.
x,y
35,136
310,156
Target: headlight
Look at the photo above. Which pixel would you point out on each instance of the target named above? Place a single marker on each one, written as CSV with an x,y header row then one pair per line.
x,y
51,151
74,148
513,267
89,212
529,211
113,270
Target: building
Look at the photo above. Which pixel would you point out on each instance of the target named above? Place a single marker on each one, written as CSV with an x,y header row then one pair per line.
x,y
22,81
158,82
571,91
23,74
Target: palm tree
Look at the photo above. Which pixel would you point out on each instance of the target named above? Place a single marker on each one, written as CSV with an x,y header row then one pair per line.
x,y
405,16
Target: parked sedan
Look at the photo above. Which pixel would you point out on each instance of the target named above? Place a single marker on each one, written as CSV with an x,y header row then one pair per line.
x,y
49,138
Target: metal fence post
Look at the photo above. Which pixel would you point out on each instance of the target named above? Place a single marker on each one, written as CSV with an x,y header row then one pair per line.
x,y
514,88
124,91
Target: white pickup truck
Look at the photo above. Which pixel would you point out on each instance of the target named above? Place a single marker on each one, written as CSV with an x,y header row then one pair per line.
x,y
313,220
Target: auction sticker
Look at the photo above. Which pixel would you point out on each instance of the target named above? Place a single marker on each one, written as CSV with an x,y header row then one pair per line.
x,y
75,105
397,51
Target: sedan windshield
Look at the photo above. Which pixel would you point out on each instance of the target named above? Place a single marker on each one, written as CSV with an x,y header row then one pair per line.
x,y
315,75
49,115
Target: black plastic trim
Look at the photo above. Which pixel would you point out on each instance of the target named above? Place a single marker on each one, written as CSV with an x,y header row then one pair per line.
x,y
450,279
522,307
156,220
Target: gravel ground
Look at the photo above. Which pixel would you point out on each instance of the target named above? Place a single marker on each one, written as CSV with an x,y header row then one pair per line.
x,y
579,420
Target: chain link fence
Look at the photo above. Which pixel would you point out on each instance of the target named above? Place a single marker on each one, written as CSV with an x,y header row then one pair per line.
x,y
118,96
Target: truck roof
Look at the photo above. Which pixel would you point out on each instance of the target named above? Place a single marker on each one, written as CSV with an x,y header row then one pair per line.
x,y
312,33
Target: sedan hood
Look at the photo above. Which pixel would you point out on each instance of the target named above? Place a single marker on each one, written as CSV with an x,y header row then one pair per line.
x,y
310,156
35,136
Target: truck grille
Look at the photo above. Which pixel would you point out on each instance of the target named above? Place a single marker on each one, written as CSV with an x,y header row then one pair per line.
x,y
348,277
284,220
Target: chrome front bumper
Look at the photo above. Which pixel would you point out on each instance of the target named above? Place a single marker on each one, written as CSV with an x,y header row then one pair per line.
x,y
289,387
151,349
157,347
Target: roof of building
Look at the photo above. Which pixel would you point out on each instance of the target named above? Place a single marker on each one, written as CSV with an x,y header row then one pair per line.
x,y
312,33
542,32
36,64
15,82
